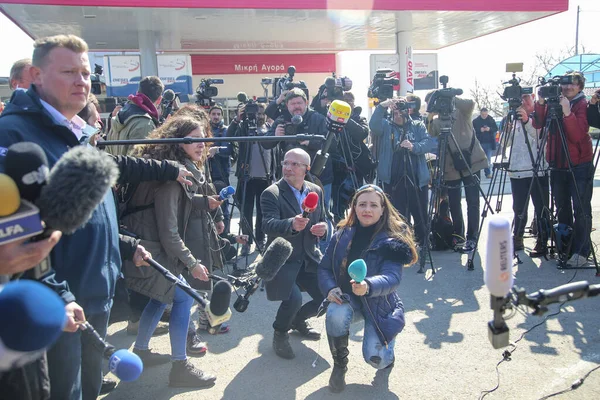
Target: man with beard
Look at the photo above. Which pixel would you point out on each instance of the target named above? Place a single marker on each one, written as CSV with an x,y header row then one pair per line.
x,y
220,156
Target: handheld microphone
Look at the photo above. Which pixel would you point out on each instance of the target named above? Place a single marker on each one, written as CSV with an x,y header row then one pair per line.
x,y
357,270
27,164
226,193
337,117
33,317
126,365
310,204
168,98
268,265
10,201
292,129
218,310
498,277
76,185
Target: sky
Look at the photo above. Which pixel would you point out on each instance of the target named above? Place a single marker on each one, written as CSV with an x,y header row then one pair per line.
x,y
483,58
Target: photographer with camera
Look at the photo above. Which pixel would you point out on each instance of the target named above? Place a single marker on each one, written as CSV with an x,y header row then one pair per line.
x,y
456,169
485,129
401,147
259,171
571,173
220,157
415,112
593,110
138,117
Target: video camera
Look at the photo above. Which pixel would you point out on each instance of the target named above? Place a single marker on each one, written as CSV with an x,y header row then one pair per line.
x,y
514,92
205,92
250,107
97,79
382,86
550,89
337,86
287,83
441,101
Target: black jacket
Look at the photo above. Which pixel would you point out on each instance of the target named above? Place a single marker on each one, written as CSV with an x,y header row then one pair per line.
x,y
241,129
593,115
489,136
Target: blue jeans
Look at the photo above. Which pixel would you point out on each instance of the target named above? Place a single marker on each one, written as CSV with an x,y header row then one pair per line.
x,y
488,149
178,323
337,322
564,191
75,364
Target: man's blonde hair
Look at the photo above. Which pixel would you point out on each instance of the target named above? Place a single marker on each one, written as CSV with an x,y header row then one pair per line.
x,y
43,46
16,71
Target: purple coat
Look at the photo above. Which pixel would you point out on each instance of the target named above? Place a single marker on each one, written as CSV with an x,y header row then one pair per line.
x,y
385,259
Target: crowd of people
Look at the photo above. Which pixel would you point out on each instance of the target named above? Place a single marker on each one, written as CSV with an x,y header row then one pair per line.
x,y
166,207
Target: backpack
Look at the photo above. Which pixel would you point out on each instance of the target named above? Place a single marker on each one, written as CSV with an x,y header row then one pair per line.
x,y
442,229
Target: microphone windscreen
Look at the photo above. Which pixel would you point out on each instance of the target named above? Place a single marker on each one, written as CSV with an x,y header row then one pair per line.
x,y
33,316
220,298
296,119
126,365
275,256
10,200
242,97
358,270
168,95
76,185
311,201
27,164
226,192
339,113
498,275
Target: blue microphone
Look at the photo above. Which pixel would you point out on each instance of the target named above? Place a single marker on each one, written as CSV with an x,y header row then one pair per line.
x,y
33,317
125,365
358,270
226,192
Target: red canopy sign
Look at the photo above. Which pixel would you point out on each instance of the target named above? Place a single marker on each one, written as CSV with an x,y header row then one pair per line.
x,y
263,64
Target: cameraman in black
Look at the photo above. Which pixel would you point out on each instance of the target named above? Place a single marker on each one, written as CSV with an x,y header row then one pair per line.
x,y
312,123
256,169
593,110
401,146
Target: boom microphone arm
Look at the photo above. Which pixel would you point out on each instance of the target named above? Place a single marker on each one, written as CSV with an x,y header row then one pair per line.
x,y
188,140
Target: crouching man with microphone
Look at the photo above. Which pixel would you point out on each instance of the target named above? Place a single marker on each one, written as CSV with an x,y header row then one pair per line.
x,y
359,274
282,205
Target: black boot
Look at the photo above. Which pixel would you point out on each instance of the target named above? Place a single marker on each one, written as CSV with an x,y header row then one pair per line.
x,y
339,351
540,249
281,345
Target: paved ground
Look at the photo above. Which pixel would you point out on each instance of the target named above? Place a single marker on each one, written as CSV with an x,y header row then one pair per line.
x,y
443,353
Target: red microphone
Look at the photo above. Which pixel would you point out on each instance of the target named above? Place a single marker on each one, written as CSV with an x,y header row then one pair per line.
x,y
310,203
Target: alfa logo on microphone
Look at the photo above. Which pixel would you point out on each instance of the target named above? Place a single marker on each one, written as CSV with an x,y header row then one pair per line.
x,y
38,176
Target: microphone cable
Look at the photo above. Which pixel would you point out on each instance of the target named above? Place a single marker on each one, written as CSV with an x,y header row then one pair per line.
x,y
506,354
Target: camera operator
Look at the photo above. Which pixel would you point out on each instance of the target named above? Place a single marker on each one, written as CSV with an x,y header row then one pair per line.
x,y
220,157
454,177
575,126
312,123
485,129
405,178
521,176
259,172
415,112
593,110
138,117
275,109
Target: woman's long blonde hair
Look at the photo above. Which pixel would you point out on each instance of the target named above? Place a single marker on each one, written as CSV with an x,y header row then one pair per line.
x,y
390,222
174,127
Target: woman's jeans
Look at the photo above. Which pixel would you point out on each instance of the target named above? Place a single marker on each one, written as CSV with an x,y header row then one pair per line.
x,y
178,324
338,320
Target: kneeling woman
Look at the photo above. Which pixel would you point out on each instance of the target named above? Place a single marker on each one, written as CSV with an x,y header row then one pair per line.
x,y
375,232
159,213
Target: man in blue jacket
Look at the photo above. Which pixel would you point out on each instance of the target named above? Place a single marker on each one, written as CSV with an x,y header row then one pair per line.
x,y
87,263
401,146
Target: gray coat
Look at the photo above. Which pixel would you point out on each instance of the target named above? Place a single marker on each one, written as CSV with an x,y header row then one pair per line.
x,y
279,207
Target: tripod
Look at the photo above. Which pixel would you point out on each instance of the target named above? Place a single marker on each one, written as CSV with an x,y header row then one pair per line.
x,y
554,119
438,179
503,167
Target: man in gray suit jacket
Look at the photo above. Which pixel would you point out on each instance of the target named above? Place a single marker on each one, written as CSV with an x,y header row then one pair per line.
x,y
281,205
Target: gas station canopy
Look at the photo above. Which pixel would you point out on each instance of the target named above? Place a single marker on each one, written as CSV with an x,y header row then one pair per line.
x,y
264,26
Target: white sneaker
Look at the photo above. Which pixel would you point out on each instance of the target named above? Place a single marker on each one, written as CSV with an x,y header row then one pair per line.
x,y
577,260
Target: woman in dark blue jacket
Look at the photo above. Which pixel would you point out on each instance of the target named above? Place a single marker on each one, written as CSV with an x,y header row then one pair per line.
x,y
376,233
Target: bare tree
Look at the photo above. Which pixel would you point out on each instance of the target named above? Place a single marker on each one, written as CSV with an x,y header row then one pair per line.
x,y
488,97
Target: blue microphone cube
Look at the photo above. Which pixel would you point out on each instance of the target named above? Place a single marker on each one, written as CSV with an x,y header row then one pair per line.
x,y
24,223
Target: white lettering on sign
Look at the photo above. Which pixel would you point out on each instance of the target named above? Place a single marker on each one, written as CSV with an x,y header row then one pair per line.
x,y
409,72
246,68
11,230
272,68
